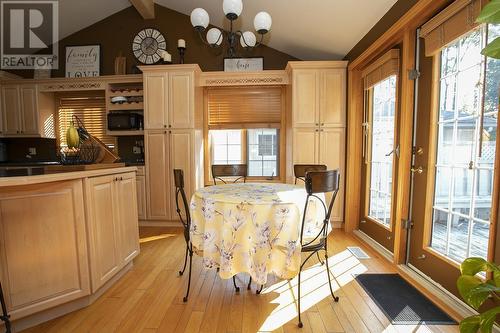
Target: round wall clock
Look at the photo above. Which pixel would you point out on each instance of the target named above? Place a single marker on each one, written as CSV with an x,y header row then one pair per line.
x,y
148,45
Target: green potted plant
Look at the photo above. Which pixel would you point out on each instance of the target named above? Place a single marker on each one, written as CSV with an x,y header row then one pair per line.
x,y
491,14
475,290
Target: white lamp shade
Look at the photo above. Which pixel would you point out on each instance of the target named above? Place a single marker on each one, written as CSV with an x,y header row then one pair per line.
x,y
199,18
232,7
248,39
262,22
214,36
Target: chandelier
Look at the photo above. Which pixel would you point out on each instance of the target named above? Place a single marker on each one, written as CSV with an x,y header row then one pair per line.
x,y
232,9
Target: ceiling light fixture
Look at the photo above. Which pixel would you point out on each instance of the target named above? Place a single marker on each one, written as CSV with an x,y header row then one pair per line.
x,y
232,9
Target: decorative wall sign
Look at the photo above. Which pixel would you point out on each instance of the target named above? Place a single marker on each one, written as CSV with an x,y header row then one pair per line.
x,y
83,60
243,64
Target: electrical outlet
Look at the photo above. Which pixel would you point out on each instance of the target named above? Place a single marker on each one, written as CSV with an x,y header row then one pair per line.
x,y
32,151
136,150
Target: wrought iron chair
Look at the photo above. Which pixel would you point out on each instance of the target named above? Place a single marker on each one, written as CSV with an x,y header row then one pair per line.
x,y
318,182
5,316
299,170
229,170
186,223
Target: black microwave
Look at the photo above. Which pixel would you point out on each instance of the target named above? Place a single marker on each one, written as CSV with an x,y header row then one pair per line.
x,y
120,121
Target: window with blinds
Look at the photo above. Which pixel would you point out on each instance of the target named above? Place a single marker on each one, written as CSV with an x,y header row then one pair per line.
x,y
248,107
384,67
90,108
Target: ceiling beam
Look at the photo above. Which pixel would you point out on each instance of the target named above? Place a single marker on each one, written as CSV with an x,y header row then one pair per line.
x,y
145,7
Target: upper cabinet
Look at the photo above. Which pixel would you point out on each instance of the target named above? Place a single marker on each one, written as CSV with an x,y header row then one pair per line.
x,y
25,112
318,94
169,97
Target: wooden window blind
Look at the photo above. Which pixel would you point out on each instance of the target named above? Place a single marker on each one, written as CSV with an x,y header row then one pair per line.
x,y
90,108
451,23
247,107
382,68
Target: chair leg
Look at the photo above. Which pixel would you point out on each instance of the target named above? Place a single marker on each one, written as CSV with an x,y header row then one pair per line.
x,y
298,301
260,290
4,317
189,279
249,286
335,298
319,259
185,261
235,285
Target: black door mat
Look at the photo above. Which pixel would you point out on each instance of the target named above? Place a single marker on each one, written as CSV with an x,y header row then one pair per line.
x,y
401,302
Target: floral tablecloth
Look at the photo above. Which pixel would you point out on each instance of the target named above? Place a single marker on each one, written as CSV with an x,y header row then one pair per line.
x,y
252,228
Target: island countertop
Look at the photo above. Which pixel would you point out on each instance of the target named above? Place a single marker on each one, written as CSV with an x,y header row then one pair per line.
x,y
61,176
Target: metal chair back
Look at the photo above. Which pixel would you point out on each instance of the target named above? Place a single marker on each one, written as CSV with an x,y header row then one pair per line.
x,y
320,182
299,170
229,170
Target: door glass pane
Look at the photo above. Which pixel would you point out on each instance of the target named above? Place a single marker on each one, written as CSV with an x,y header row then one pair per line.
x,y
467,130
382,145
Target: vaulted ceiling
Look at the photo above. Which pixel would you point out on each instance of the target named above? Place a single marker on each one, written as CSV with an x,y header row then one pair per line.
x,y
306,29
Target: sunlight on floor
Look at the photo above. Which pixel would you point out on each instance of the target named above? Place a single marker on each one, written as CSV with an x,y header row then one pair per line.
x,y
154,238
314,288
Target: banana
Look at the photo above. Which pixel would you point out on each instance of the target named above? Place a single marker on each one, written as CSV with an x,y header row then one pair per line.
x,y
72,137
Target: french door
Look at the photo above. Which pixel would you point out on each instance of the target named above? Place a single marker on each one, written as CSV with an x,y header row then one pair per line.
x,y
380,161
455,156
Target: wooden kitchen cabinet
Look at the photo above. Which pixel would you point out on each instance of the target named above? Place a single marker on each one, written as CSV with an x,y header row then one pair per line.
x,y
318,97
318,113
112,225
169,100
25,111
181,157
38,224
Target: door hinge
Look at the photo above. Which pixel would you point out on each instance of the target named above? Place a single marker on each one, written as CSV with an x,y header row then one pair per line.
x,y
407,224
413,74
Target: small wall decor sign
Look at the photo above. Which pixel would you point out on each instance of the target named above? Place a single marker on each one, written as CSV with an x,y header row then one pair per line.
x,y
243,64
83,60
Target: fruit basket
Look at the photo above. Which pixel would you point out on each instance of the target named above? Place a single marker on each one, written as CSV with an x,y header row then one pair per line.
x,y
82,148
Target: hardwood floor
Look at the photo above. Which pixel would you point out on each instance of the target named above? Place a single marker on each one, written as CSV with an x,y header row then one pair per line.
x,y
149,297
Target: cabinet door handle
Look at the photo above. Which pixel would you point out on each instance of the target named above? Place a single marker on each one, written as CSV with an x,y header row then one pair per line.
x,y
317,124
322,124
164,132
121,178
164,126
169,126
316,130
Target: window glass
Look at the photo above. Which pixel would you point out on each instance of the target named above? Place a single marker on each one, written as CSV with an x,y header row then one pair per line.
x,y
467,130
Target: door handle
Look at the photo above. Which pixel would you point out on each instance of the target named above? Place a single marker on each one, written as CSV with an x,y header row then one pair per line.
x,y
421,257
395,150
417,170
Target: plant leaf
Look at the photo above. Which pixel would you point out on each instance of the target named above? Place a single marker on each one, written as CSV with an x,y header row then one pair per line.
x,y
496,277
492,49
473,265
467,285
470,324
490,13
488,319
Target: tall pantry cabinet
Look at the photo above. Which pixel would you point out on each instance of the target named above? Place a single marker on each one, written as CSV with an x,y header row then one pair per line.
x,y
173,117
316,120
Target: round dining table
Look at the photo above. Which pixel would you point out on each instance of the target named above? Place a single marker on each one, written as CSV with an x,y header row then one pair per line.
x,y
253,228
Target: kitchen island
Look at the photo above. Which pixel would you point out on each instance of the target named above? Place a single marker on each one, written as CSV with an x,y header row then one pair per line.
x,y
65,238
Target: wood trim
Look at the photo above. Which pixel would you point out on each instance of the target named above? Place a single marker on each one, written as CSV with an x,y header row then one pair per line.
x,y
405,135
354,147
416,16
495,201
316,64
263,78
145,7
